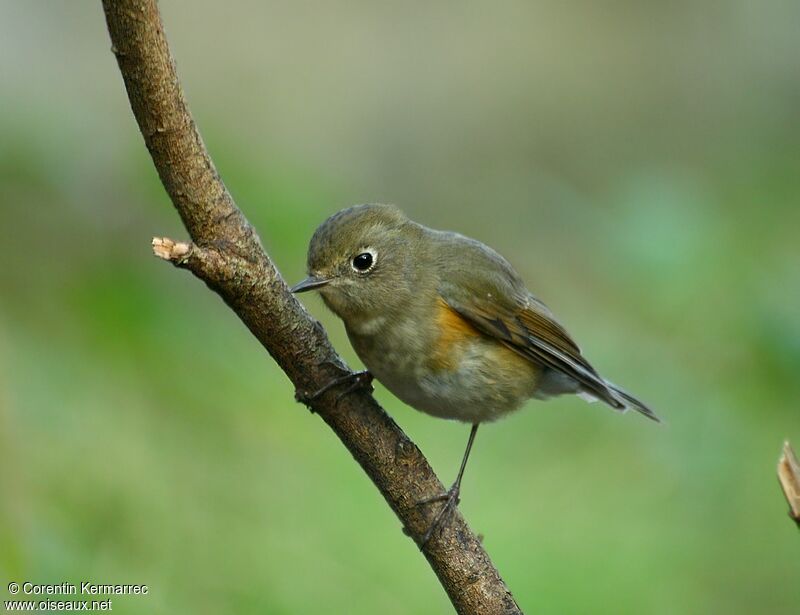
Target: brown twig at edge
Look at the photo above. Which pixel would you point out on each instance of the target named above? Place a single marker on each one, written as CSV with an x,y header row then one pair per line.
x,y
789,478
227,255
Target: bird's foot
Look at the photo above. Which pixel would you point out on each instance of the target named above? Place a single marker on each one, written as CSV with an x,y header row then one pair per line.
x,y
354,380
357,381
451,499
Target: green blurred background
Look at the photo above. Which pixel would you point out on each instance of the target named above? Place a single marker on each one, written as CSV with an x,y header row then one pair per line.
x,y
637,161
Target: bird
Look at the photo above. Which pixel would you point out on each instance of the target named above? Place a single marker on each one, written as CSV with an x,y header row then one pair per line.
x,y
446,324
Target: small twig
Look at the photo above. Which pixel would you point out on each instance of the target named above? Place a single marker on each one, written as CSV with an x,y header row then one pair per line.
x,y
789,477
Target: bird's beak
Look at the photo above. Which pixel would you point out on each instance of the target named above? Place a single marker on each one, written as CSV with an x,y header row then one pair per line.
x,y
310,283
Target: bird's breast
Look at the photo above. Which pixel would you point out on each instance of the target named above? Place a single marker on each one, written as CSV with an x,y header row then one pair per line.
x,y
443,365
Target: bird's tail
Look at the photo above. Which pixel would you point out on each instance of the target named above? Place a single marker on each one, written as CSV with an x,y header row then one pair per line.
x,y
630,401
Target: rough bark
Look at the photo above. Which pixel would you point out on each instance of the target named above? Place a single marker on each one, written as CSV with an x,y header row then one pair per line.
x,y
226,254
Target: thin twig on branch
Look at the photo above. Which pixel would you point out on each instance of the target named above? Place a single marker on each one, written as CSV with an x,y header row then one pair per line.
x,y
789,478
227,255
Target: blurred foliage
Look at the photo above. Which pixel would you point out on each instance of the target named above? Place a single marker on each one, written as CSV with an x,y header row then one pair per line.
x,y
638,162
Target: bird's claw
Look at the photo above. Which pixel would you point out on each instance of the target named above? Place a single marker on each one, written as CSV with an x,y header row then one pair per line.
x,y
451,499
356,380
359,380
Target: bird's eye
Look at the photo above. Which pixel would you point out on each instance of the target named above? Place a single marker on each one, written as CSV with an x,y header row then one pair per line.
x,y
364,262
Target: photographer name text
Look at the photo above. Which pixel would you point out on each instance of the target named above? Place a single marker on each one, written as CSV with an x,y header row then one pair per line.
x,y
85,588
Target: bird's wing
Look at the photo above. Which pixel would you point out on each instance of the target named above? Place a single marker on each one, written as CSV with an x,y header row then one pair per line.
x,y
503,309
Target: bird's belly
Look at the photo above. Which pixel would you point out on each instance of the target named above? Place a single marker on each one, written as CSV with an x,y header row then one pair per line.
x,y
480,381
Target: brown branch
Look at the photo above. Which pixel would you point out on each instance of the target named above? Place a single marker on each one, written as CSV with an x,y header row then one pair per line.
x,y
227,255
789,478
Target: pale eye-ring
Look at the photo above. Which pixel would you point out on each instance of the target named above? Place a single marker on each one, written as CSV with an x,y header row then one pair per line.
x,y
364,261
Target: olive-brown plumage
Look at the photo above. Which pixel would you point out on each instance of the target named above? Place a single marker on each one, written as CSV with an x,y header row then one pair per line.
x,y
445,322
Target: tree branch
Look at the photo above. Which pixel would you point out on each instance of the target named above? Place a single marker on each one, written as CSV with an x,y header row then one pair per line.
x,y
227,255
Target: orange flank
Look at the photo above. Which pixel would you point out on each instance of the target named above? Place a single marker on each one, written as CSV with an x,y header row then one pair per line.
x,y
454,331
456,334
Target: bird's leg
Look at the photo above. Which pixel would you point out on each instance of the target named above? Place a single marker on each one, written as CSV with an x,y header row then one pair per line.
x,y
449,497
355,380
